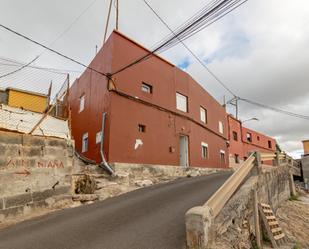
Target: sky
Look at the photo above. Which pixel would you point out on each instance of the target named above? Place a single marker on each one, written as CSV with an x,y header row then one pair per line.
x,y
260,51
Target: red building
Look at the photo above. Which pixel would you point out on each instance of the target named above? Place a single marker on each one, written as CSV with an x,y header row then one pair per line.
x,y
243,141
155,112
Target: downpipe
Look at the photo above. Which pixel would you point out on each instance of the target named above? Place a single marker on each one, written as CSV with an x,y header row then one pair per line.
x,y
104,164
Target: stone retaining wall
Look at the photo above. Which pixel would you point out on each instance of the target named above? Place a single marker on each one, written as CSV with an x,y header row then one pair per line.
x,y
32,169
235,221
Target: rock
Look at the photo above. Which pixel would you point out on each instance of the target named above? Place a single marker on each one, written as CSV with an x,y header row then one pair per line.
x,y
85,198
193,173
143,183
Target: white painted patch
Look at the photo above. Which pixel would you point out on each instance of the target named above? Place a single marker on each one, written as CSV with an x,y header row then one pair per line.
x,y
138,142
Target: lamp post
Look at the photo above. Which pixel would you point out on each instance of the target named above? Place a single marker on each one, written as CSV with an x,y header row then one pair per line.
x,y
250,119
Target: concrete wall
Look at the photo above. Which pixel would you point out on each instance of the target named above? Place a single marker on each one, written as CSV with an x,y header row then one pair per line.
x,y
305,165
3,97
272,188
32,169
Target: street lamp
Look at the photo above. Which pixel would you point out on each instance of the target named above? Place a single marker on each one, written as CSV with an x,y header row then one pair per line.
x,y
251,119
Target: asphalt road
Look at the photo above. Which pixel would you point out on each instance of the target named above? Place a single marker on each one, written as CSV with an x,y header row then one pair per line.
x,y
149,218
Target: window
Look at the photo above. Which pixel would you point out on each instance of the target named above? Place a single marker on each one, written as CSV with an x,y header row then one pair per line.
x,y
235,136
269,144
141,128
85,143
181,102
98,137
220,127
204,150
236,158
222,156
249,137
82,103
146,88
203,114
258,138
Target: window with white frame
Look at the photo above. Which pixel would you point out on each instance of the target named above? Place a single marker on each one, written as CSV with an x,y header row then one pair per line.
x,y
98,137
204,150
85,142
181,102
221,128
203,114
146,88
222,156
82,103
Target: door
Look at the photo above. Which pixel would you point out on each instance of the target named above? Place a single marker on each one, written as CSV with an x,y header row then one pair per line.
x,y
184,155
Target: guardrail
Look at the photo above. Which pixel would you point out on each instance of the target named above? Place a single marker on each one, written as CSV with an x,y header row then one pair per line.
x,y
199,219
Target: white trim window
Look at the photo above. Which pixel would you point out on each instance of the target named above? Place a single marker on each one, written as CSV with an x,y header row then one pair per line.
x,y
181,102
204,150
203,114
222,156
85,142
82,103
98,137
146,87
221,128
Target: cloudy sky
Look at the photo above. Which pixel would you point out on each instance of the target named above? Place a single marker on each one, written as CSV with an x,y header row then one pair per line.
x,y
261,50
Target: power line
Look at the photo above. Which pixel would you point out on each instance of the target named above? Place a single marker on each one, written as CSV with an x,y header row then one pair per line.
x,y
211,13
274,109
192,53
48,69
70,26
52,50
19,69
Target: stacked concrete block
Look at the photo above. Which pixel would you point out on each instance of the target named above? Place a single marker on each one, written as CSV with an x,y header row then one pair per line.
x,y
32,169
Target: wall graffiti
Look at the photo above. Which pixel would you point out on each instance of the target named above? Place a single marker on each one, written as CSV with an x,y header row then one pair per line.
x,y
41,163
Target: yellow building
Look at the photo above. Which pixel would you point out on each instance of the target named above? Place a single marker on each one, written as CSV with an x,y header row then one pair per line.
x,y
306,147
31,101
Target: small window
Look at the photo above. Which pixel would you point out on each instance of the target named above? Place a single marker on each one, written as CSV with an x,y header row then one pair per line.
x,y
245,158
203,115
269,144
258,138
204,150
235,136
98,137
82,103
236,158
181,102
249,137
85,142
146,88
141,128
222,156
221,129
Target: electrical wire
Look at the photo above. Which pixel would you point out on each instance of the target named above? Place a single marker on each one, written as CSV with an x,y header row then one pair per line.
x,y
54,51
191,52
275,109
212,12
48,69
19,69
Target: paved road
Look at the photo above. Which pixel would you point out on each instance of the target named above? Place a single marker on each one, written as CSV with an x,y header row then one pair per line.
x,y
149,218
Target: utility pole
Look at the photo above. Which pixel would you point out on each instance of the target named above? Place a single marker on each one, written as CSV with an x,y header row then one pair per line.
x,y
107,20
117,14
234,102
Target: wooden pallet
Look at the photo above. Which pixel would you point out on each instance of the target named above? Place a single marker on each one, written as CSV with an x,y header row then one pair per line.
x,y
274,231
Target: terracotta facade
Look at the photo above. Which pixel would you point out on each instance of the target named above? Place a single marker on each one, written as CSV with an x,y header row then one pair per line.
x,y
143,124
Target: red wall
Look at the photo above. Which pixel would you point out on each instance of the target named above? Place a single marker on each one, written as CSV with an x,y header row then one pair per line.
x,y
242,147
164,123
